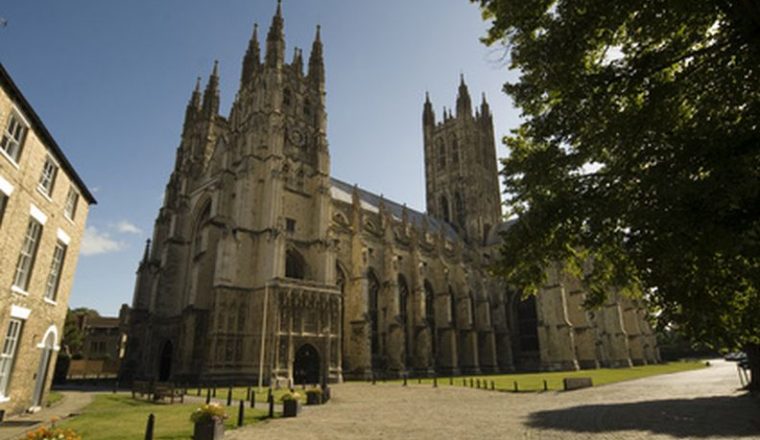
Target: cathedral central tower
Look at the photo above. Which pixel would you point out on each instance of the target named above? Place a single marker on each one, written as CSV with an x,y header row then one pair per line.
x,y
461,176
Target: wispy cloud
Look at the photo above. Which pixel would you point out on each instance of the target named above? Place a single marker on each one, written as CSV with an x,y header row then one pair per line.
x,y
95,242
126,227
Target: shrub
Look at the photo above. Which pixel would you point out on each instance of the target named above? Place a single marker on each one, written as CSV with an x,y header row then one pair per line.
x,y
212,412
290,396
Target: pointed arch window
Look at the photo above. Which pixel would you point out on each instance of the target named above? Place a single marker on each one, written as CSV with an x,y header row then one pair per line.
x,y
373,290
445,209
459,208
441,154
452,307
455,151
295,265
200,239
286,98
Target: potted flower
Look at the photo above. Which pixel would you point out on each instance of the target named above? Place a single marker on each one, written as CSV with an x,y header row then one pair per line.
x,y
314,396
50,433
209,422
290,404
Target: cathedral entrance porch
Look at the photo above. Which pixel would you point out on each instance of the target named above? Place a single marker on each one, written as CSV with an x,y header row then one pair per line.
x,y
306,366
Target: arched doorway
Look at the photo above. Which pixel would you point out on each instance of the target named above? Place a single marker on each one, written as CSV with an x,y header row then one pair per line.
x,y
165,362
47,346
306,366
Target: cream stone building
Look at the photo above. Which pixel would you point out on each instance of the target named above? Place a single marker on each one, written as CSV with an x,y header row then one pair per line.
x,y
43,209
263,266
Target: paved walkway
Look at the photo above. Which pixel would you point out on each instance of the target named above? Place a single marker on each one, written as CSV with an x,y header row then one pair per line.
x,y
701,404
15,427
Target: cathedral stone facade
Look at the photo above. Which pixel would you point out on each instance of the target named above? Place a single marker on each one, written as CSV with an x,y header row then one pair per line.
x,y
264,267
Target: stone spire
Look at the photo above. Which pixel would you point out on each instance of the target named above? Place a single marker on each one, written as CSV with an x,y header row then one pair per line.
x,y
485,110
211,94
428,115
298,61
146,254
194,105
252,56
464,104
276,39
316,60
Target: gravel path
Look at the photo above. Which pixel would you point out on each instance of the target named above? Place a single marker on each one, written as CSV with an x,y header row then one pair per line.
x,y
698,404
15,427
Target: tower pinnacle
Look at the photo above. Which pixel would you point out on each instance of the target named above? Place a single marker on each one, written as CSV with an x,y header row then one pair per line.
x,y
276,39
252,56
211,94
464,104
316,60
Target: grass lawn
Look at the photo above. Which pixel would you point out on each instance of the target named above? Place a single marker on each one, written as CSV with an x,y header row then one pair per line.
x,y
54,397
119,417
535,381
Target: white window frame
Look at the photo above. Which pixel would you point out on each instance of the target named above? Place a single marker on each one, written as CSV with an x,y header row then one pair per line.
x,y
56,268
49,173
70,209
8,355
25,264
16,115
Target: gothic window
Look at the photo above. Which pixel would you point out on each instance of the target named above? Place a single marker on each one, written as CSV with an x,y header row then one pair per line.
x,y
403,296
452,307
403,299
307,108
459,209
471,308
295,266
373,290
286,98
527,324
429,304
455,151
441,154
199,240
445,209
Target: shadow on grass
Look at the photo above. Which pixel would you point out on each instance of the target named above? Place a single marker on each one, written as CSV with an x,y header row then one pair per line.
x,y
682,418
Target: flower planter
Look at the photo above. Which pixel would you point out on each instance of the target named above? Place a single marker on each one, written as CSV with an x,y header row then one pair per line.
x,y
313,398
291,408
213,430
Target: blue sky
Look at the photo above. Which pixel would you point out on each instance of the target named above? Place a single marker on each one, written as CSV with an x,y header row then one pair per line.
x,y
111,79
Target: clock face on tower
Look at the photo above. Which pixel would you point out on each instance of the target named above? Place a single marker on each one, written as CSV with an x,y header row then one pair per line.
x,y
297,137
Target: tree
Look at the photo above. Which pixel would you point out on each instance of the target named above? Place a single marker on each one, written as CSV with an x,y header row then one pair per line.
x,y
73,330
639,154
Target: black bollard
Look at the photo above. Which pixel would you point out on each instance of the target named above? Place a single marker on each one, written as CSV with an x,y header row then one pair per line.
x,y
516,388
269,394
493,386
405,380
149,427
419,381
271,406
229,396
477,384
241,408
435,381
373,378
199,391
451,380
464,382
248,394
546,386
213,392
253,399
471,383
208,396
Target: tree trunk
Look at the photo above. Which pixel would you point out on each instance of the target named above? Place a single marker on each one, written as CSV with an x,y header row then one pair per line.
x,y
753,357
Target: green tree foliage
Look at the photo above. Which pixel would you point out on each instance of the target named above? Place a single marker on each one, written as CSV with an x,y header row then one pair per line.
x,y
639,152
73,332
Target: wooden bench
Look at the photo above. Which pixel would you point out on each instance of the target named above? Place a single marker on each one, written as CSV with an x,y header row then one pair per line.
x,y
164,390
142,388
576,383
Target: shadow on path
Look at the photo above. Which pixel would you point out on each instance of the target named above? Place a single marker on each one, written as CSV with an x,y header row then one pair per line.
x,y
718,416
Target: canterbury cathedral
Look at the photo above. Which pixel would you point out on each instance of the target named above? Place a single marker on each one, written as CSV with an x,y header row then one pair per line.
x,y
263,266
